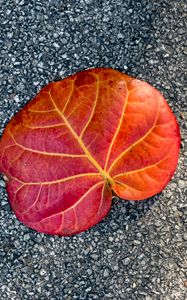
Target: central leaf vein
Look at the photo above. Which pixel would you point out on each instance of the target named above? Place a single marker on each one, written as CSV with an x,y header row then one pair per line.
x,y
86,151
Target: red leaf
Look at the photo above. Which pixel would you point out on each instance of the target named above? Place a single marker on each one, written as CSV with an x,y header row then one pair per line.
x,y
81,138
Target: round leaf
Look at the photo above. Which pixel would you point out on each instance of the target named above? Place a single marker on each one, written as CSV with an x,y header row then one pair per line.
x,y
82,138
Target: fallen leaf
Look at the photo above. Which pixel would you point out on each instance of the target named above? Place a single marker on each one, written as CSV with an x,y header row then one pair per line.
x,y
81,138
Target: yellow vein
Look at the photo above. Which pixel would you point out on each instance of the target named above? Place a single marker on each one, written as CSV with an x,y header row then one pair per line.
x,y
41,111
72,112
60,180
34,203
135,143
73,206
18,189
75,108
70,95
127,185
76,219
45,126
118,128
86,194
94,107
145,168
16,158
60,228
48,193
43,152
88,154
102,198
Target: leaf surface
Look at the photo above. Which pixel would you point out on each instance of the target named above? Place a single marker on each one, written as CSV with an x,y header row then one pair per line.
x,y
81,138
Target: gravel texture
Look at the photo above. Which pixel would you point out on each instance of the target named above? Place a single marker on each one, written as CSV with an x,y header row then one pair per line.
x,y
139,251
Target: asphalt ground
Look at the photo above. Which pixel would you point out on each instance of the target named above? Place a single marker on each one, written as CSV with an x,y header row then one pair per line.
x,y
139,251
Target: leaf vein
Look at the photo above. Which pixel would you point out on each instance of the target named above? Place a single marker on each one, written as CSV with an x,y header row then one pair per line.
x,y
86,151
118,128
94,107
34,203
145,168
73,206
60,180
135,143
42,152
70,95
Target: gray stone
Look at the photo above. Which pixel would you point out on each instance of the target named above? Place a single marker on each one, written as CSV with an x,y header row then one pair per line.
x,y
182,183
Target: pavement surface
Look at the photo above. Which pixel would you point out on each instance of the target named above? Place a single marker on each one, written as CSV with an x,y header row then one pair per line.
x,y
139,251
